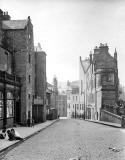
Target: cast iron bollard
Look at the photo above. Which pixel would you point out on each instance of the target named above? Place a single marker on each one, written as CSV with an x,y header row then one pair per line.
x,y
123,121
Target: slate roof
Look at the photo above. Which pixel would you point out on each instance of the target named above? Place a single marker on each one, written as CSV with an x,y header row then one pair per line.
x,y
14,24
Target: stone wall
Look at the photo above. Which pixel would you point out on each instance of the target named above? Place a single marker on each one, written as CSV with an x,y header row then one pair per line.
x,y
109,117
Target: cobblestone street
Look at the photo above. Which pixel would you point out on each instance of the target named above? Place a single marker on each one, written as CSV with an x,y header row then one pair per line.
x,y
72,138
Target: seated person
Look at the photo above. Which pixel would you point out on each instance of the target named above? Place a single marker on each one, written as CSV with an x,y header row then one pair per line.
x,y
3,134
16,135
10,135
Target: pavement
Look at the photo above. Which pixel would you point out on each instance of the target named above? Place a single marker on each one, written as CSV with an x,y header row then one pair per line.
x,y
24,132
116,125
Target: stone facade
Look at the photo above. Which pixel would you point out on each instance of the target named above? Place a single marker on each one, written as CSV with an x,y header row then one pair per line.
x,y
51,102
40,79
19,41
99,80
75,101
23,65
62,105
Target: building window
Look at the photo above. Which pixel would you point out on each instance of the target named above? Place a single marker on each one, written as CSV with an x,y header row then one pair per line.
x,y
29,96
69,105
29,36
29,58
29,78
110,77
76,98
77,106
10,104
82,106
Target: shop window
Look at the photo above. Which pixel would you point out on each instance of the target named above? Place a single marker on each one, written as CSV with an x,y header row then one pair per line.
x,y
10,104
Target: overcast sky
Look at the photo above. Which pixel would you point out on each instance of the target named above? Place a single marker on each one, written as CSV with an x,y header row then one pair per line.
x,y
68,29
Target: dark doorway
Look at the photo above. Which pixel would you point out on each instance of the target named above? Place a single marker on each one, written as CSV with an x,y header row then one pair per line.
x,y
18,112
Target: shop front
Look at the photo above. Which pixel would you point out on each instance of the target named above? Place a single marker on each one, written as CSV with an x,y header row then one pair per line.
x,y
9,100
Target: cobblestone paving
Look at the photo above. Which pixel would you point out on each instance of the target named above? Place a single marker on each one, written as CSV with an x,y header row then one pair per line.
x,y
72,138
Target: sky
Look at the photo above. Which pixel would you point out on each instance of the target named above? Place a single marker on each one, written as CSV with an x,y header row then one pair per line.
x,y
68,29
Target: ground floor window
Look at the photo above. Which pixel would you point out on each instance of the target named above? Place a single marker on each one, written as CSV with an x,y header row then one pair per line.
x,y
10,108
10,104
1,108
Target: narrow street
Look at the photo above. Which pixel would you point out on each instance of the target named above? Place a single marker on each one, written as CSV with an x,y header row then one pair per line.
x,y
72,138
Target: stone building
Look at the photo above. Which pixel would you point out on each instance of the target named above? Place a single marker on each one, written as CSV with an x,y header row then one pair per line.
x,y
51,101
10,83
18,39
75,103
39,105
99,81
22,73
62,105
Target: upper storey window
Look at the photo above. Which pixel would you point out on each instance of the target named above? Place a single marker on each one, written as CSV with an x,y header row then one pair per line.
x,y
107,78
110,78
29,36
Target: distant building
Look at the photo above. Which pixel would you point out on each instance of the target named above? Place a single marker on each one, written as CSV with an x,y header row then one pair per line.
x,y
62,105
51,102
99,81
39,105
75,103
